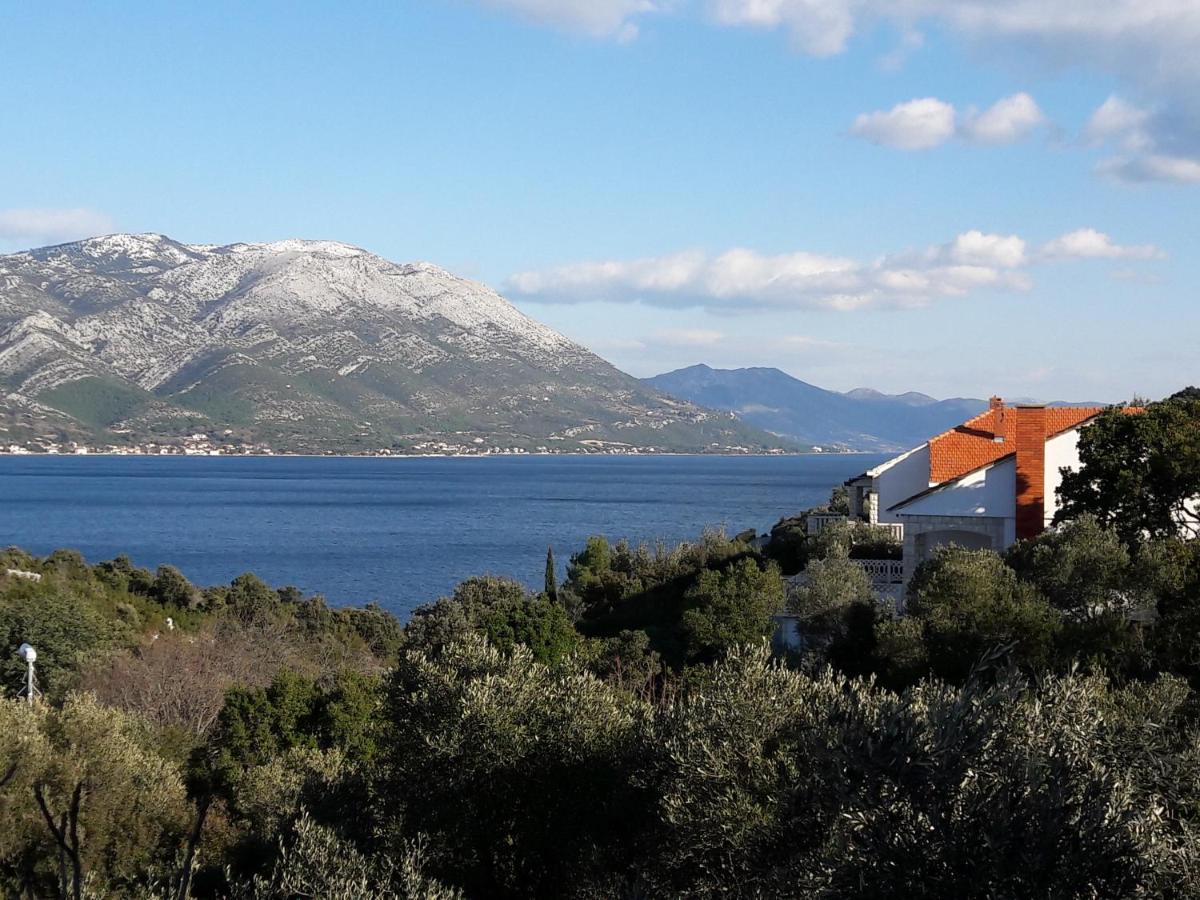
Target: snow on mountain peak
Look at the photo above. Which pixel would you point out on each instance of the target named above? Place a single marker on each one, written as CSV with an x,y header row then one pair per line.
x,y
144,248
298,245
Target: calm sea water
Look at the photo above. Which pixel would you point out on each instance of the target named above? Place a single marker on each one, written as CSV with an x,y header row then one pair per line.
x,y
399,531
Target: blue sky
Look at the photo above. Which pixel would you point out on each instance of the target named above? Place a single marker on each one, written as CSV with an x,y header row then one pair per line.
x,y
963,198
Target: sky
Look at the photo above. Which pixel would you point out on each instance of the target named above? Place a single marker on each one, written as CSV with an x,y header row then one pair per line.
x,y
961,197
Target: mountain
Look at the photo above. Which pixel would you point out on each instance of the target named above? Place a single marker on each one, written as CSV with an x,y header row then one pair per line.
x,y
311,346
861,419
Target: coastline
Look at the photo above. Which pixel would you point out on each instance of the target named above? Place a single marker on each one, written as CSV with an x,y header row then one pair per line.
x,y
626,455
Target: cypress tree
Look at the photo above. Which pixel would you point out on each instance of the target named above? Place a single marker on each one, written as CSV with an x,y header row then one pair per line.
x,y
551,576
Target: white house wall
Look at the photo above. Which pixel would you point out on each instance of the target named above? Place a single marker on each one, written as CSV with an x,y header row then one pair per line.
x,y
900,479
990,492
1062,451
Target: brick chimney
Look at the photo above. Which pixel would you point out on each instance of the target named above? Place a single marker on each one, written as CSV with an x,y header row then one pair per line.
x,y
1031,470
999,425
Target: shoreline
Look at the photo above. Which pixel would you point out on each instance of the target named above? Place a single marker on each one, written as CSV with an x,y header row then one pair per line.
x,y
664,453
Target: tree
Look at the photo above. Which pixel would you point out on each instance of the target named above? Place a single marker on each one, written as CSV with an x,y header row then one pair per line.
x,y
534,622
551,587
829,587
1139,473
381,631
776,783
501,610
251,600
314,861
171,588
520,774
1080,567
729,607
969,603
1169,571
62,625
112,809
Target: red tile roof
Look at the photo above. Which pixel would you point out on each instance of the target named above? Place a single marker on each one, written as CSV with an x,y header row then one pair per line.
x,y
973,444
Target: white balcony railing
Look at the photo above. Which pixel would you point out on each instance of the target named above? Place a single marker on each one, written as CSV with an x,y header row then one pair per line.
x,y
895,529
883,571
818,522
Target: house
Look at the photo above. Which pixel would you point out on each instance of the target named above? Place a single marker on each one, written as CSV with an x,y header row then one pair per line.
x,y
983,485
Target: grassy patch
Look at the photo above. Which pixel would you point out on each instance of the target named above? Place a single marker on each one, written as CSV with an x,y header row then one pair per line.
x,y
97,401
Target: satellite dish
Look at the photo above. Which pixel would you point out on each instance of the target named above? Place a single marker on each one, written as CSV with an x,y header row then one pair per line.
x,y
26,653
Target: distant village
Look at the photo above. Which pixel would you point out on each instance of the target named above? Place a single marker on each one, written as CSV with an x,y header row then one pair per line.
x,y
228,444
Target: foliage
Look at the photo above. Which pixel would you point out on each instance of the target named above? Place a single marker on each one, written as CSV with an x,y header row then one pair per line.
x,y
1170,570
313,861
89,792
829,587
63,623
649,746
251,600
1080,567
1139,474
501,610
551,581
171,588
691,600
628,660
731,607
969,602
857,540
518,773
793,548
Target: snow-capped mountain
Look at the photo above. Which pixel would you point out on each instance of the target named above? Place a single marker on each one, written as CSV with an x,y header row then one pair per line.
x,y
307,345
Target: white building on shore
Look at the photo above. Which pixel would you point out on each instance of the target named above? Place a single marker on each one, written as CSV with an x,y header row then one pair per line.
x,y
983,485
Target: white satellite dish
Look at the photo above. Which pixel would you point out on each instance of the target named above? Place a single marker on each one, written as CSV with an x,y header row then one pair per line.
x,y
29,655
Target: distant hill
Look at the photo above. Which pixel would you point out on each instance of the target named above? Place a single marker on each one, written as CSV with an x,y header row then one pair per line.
x,y
311,346
861,419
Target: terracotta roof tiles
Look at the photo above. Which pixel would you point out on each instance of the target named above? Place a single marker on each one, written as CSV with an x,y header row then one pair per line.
x,y
989,437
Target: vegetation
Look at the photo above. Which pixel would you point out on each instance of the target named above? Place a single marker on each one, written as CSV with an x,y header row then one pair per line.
x,y
1028,730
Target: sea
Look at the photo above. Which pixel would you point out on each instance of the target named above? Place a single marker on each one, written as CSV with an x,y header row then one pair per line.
x,y
399,531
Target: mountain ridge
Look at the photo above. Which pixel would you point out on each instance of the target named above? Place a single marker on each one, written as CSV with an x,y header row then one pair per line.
x,y
311,346
861,419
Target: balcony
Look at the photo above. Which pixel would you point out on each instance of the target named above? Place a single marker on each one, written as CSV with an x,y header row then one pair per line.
x,y
882,571
818,522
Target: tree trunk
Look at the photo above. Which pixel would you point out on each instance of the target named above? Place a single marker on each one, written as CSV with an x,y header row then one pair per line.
x,y
193,845
66,835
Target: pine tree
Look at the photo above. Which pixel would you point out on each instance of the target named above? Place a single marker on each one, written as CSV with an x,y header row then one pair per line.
x,y
551,576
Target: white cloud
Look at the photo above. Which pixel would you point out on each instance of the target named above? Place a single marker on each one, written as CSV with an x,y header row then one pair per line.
x,y
1088,243
977,248
915,125
1134,132
688,337
1116,35
595,18
746,280
35,227
1005,122
1116,119
929,122
1152,167
1149,44
817,27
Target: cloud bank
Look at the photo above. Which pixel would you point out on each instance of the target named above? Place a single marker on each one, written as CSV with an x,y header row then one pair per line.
x,y
743,279
595,18
36,227
928,122
1149,44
